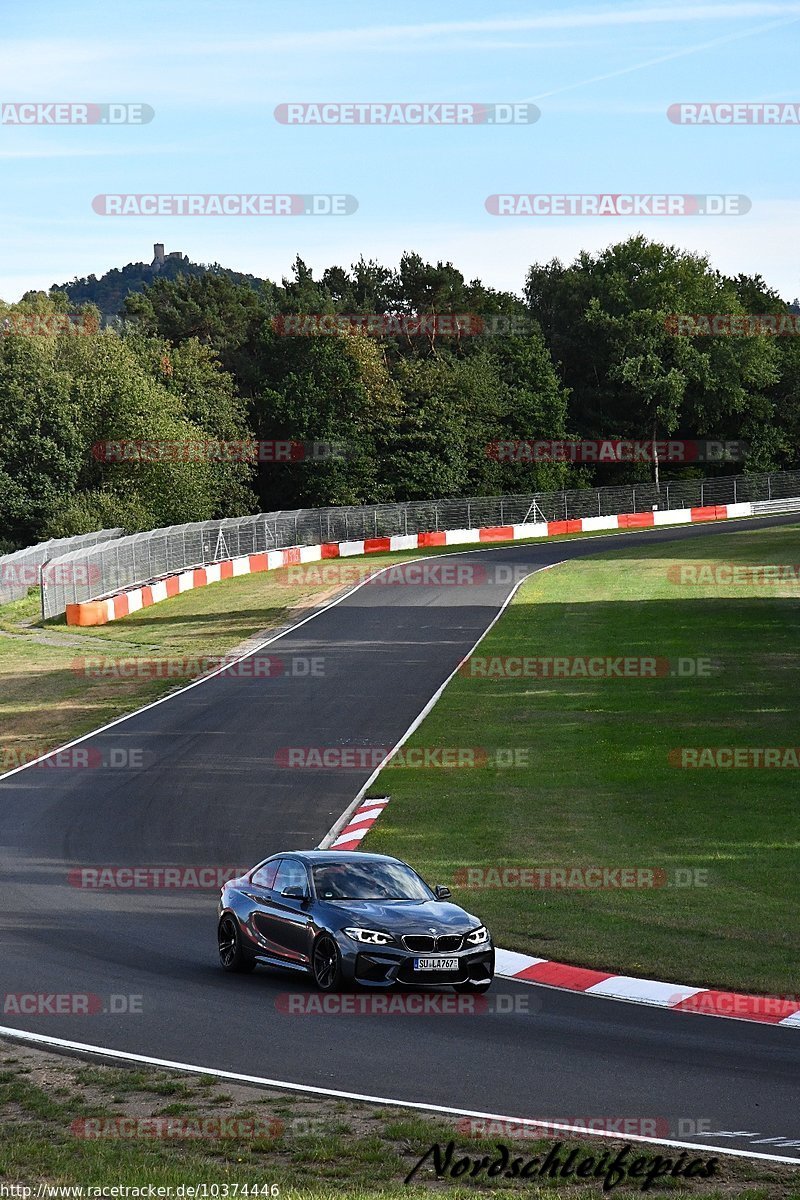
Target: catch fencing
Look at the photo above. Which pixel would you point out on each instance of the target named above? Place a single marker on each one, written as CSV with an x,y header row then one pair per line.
x,y
21,569
90,574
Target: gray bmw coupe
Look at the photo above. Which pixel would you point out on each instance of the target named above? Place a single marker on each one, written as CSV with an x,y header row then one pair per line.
x,y
348,919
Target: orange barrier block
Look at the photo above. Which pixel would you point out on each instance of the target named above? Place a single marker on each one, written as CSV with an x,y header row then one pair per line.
x,y
636,520
91,612
497,533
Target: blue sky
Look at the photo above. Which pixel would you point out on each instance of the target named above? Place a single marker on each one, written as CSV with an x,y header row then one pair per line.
x,y
603,75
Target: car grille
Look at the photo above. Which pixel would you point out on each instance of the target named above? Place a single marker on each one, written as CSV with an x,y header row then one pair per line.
x,y
421,942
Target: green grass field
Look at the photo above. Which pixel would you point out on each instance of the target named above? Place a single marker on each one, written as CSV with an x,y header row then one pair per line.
x,y
599,788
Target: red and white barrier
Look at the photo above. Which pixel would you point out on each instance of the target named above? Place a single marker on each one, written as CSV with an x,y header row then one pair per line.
x,y
359,824
771,1010
122,604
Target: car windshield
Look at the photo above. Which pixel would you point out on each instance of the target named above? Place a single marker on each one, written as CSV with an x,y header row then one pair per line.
x,y
368,881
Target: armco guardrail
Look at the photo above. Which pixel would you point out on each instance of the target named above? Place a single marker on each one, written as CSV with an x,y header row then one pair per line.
x,y
130,561
764,508
21,569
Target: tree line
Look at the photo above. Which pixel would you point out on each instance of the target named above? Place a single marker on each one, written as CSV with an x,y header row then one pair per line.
x,y
203,355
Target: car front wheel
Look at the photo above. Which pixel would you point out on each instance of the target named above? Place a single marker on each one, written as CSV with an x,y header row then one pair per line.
x,y
326,964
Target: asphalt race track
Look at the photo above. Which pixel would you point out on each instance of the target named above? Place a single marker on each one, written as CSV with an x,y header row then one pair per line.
x,y
209,792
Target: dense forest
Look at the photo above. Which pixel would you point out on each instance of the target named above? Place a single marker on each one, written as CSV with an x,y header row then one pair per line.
x,y
202,354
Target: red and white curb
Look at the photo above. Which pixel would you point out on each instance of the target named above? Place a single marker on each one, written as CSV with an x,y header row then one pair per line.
x,y
770,1010
122,604
359,824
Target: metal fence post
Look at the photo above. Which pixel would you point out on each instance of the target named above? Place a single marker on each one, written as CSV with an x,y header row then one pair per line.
x,y
769,487
734,489
41,585
702,494
634,498
667,495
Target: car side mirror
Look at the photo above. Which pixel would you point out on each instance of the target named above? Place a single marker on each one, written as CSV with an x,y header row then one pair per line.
x,y
441,892
294,893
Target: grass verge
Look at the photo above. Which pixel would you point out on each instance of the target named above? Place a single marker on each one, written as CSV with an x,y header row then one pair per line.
x,y
599,787
229,1134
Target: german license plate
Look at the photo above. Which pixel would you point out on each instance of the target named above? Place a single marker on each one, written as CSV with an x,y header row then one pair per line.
x,y
435,964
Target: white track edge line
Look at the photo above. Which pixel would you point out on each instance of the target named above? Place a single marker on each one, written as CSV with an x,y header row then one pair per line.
x,y
219,1073
341,823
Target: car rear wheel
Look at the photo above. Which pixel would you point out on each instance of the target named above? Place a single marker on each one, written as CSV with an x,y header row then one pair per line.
x,y
232,956
326,964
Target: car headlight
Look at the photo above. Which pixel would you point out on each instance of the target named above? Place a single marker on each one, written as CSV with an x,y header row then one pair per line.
x,y
477,936
372,937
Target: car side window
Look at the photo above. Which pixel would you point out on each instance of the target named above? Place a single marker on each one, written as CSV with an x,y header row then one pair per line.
x,y
291,873
265,876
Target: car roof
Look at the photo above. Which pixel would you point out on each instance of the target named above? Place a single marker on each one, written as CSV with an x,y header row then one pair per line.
x,y
315,857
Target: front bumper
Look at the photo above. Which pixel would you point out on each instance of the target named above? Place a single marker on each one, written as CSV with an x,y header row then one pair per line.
x,y
389,966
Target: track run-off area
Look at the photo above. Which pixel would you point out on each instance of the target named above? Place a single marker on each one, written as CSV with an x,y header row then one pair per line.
x,y
211,791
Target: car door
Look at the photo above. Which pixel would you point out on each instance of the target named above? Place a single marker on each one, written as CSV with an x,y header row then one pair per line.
x,y
285,921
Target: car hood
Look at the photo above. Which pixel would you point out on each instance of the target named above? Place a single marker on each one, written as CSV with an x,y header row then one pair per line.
x,y
403,916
